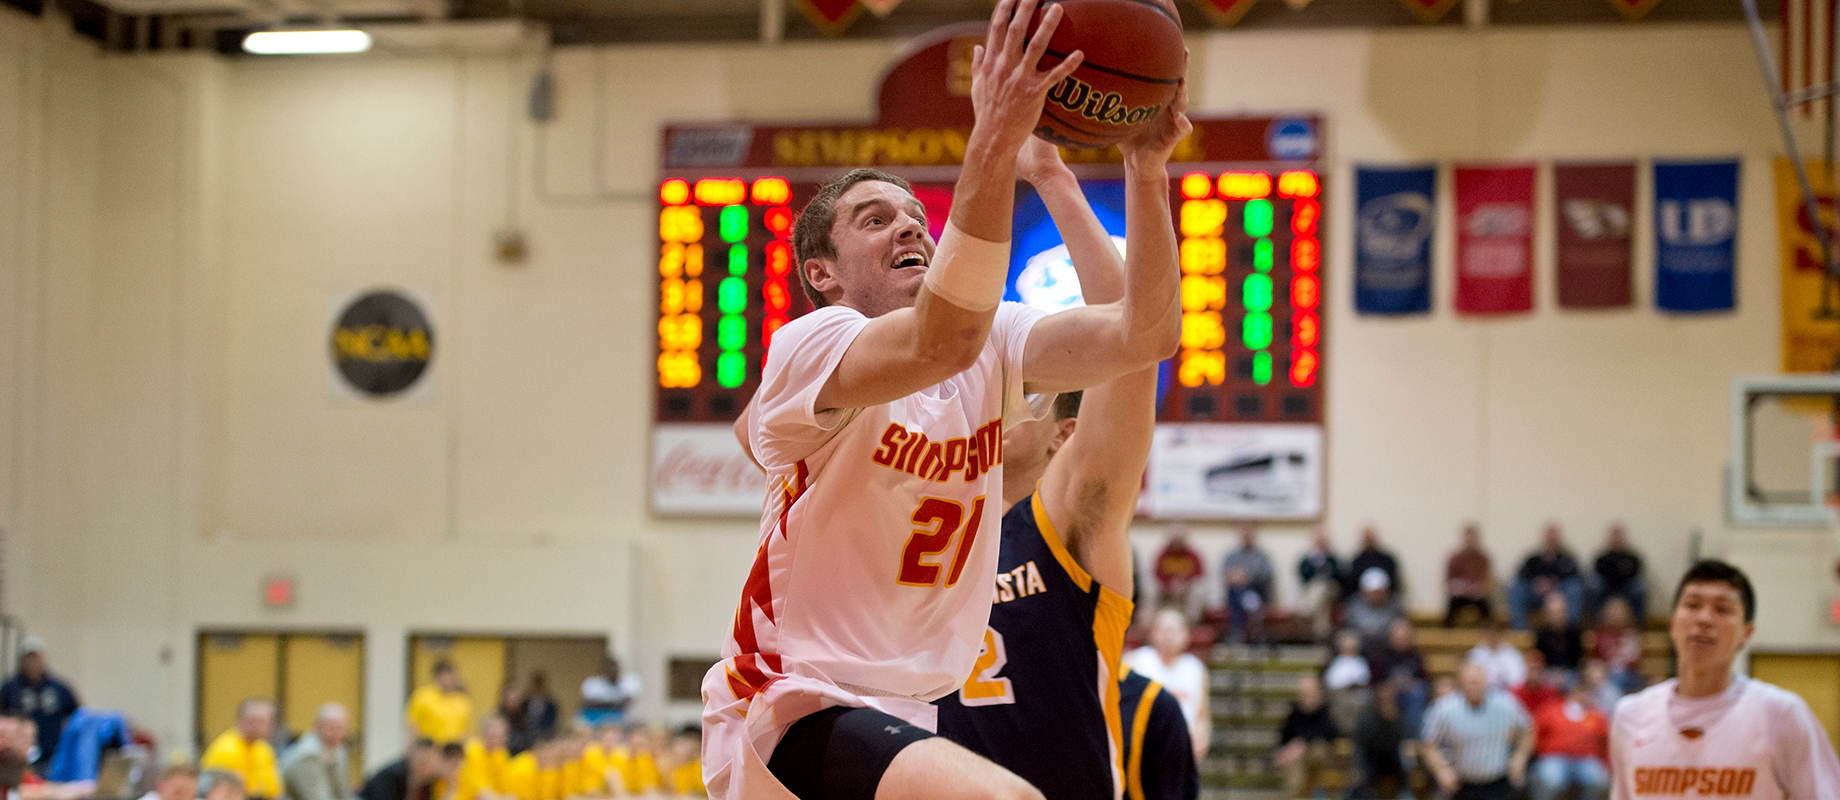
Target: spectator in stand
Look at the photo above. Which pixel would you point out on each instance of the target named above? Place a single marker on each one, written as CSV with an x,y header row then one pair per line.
x,y
604,697
1502,663
539,706
1619,574
1371,556
1604,691
1573,748
15,750
1349,668
1398,663
1618,644
413,777
1550,569
316,766
1372,613
35,693
176,782
1306,740
485,765
1468,578
223,785
1347,679
1558,637
1158,757
441,711
245,752
1542,686
511,707
1249,576
1178,572
1319,572
1478,740
1167,661
1378,738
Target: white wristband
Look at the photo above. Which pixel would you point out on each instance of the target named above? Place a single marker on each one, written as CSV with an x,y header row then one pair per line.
x,y
968,272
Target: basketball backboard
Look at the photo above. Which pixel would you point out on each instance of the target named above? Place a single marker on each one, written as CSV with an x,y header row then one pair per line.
x,y
1785,458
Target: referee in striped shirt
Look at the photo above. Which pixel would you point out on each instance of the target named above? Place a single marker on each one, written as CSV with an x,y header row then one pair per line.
x,y
1478,740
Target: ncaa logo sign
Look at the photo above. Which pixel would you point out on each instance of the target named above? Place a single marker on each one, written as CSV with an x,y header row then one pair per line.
x,y
1291,139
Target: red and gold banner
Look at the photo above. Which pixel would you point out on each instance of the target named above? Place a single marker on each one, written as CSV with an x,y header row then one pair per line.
x,y
1494,239
832,16
1225,13
1810,306
880,8
1633,10
1429,11
1595,208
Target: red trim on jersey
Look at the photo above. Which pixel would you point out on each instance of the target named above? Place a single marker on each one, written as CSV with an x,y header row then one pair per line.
x,y
746,677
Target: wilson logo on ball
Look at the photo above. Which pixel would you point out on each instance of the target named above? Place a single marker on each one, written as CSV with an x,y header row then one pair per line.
x,y
1077,96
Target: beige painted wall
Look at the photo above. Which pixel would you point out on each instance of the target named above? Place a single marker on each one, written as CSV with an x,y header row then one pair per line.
x,y
175,230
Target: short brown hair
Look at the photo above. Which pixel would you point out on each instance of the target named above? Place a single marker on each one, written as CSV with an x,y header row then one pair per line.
x,y
811,235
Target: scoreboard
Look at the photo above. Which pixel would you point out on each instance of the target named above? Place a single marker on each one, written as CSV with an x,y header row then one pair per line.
x,y
1251,287
1240,406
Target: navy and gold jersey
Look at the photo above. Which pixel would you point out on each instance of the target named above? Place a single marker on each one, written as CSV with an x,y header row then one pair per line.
x,y
1159,758
1042,700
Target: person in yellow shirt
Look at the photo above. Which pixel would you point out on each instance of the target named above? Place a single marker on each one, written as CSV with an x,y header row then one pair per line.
x,y
642,776
483,774
245,752
441,712
685,778
592,777
521,776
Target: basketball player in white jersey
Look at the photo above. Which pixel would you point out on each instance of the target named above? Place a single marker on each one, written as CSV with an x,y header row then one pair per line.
x,y
1710,733
879,421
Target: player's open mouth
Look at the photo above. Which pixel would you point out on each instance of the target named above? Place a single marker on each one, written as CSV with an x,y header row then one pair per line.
x,y
909,260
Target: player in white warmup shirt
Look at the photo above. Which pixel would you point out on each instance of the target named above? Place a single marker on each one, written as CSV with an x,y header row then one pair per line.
x,y
879,420
1710,733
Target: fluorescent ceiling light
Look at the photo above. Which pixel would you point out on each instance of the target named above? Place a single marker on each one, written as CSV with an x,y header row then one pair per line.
x,y
295,42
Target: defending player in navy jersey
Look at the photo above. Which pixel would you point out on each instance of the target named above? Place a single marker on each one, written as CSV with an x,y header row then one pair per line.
x,y
1159,760
1043,697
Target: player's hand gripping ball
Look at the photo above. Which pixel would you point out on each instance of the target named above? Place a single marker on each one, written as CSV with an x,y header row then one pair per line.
x,y
1134,60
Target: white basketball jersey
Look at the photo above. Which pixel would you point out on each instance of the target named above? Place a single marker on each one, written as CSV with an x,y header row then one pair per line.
x,y
873,578
1765,744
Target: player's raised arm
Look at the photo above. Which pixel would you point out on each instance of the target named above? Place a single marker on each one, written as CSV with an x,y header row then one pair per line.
x,y
906,349
1090,488
1082,347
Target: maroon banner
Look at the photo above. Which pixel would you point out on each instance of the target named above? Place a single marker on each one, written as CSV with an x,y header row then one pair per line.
x,y
1494,239
832,16
1595,203
1225,13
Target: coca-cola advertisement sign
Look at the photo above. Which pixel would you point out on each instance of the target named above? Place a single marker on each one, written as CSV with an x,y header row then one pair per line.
x,y
700,470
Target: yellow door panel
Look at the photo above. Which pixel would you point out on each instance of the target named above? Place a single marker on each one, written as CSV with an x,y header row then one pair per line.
x,y
480,660
233,667
1815,677
325,669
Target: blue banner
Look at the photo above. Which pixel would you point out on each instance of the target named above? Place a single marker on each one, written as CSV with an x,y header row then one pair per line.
x,y
1396,214
1696,234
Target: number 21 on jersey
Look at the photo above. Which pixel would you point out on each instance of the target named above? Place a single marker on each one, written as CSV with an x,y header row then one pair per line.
x,y
937,521
984,688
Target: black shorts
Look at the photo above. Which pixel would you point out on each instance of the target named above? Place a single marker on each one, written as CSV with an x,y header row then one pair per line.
x,y
841,752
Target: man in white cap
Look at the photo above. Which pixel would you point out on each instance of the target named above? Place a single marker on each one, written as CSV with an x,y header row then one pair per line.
x,y
1372,613
33,692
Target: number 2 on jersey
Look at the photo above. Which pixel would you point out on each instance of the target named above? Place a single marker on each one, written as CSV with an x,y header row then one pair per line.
x,y
984,688
938,520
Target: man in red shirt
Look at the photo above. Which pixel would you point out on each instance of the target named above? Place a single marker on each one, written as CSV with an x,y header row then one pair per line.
x,y
1539,691
1572,747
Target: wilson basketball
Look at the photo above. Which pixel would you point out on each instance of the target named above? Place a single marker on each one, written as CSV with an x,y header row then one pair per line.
x,y
1134,60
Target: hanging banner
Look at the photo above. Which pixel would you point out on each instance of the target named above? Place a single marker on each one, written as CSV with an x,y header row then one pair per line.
x,y
1494,239
1810,303
1696,227
1396,213
1429,11
880,8
1225,13
832,16
1594,209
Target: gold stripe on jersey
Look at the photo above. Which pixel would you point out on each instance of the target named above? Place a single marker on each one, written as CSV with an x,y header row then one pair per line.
x,y
1111,617
1134,779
